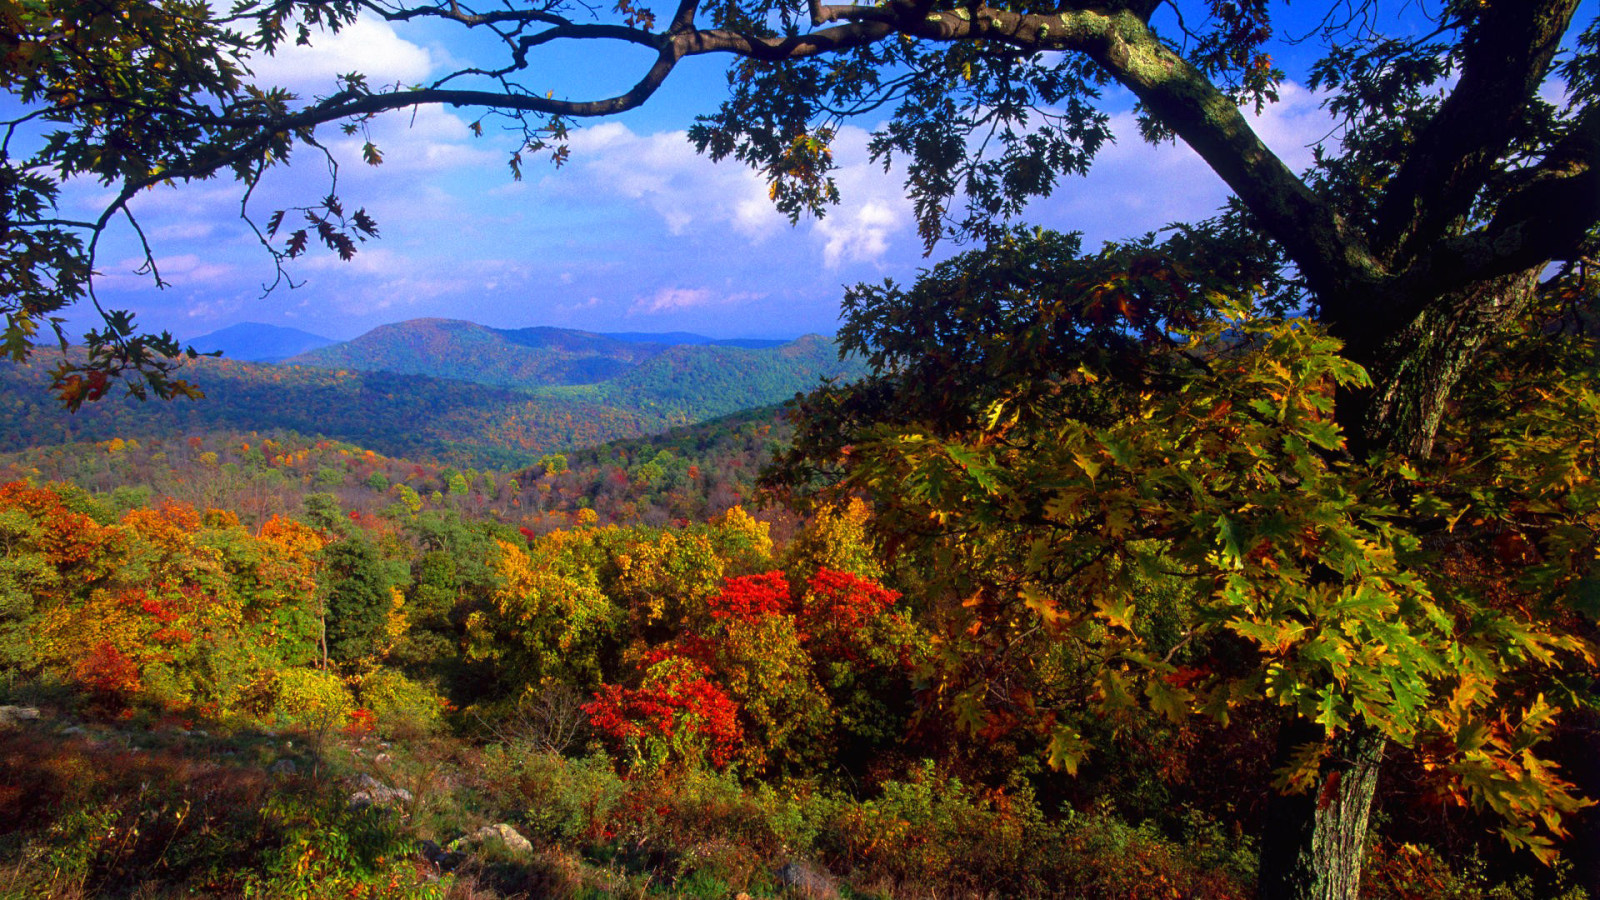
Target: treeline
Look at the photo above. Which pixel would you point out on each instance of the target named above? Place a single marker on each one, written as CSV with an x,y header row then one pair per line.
x,y
689,474
413,416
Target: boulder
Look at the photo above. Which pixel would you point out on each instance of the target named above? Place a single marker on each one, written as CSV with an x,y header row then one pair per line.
x,y
13,716
372,792
502,834
808,880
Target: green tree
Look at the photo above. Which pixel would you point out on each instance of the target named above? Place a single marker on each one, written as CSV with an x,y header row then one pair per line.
x,y
1050,435
360,584
1448,192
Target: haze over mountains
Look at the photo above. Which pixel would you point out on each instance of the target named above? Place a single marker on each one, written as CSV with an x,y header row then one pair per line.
x,y
255,342
441,389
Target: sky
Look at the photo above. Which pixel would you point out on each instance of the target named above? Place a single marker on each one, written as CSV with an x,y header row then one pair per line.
x,y
635,233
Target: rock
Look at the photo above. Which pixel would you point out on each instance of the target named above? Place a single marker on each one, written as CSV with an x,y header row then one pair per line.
x,y
373,792
502,833
74,730
442,859
12,716
807,880
284,767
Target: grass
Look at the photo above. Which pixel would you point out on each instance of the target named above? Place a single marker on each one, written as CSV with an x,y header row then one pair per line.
x,y
149,809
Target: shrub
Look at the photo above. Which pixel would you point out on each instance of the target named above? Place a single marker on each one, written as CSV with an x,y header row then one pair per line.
x,y
401,706
312,698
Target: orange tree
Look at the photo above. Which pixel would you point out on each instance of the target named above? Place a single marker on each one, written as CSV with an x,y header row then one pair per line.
x,y
1058,444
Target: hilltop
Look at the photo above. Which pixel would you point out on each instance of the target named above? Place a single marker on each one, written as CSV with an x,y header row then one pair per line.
x,y
444,391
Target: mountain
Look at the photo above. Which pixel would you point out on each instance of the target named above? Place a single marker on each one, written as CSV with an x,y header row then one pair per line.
x,y
683,376
450,348
256,342
686,337
425,417
689,383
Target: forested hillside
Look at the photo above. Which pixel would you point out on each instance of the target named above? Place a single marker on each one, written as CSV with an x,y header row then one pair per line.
x,y
677,376
464,351
403,415
463,422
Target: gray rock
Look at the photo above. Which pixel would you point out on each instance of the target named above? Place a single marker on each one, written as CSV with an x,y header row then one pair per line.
x,y
807,879
373,792
502,834
12,716
442,859
284,767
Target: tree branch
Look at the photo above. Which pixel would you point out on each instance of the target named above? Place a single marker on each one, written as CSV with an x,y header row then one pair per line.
x,y
1507,54
1546,217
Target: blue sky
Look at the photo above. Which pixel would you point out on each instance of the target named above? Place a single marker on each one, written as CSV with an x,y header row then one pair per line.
x,y
635,233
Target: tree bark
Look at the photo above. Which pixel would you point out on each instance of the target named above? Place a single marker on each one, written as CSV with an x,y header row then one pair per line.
x,y
1313,844
1415,368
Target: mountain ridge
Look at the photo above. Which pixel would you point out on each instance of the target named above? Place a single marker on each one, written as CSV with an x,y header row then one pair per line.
x,y
531,357
259,342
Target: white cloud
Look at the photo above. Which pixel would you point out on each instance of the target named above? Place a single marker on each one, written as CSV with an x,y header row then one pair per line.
x,y
423,140
693,196
860,236
873,215
664,173
369,46
669,300
190,268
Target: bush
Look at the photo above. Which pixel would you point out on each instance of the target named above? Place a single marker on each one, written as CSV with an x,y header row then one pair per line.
x,y
312,698
401,706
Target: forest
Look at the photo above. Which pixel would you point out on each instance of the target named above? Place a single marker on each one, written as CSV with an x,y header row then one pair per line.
x,y
269,664
1253,556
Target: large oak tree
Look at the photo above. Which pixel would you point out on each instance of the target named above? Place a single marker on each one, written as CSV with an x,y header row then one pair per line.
x,y
1449,190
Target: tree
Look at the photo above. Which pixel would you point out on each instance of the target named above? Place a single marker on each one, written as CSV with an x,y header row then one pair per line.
x,y
1053,444
1448,192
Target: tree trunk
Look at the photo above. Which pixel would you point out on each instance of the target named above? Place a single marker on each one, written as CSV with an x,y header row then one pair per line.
x,y
1414,368
1314,842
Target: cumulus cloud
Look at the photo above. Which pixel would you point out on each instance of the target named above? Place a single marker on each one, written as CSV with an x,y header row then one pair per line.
x,y
691,195
861,235
368,46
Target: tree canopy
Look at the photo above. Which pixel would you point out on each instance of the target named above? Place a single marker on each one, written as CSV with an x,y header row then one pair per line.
x,y
1452,208
1449,171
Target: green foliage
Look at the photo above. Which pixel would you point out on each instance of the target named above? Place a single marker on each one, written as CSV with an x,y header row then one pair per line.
x,y
311,698
403,707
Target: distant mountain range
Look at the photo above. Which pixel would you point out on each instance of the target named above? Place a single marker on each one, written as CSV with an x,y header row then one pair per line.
x,y
520,358
445,390
255,342
571,357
